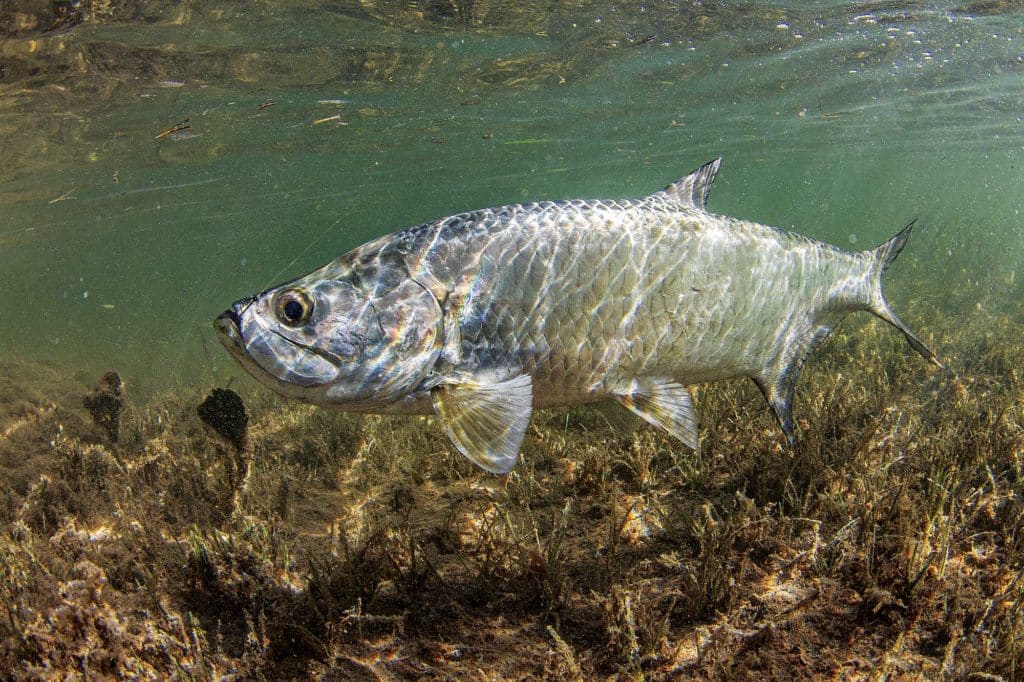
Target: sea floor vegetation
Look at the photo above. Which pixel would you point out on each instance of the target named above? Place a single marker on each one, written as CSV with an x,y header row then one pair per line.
x,y
889,543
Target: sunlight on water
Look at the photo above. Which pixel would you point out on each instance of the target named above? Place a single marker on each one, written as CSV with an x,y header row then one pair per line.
x,y
160,162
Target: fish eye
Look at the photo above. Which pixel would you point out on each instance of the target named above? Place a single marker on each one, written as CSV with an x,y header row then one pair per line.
x,y
293,307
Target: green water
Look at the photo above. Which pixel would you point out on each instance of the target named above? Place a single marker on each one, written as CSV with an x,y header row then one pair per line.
x,y
840,121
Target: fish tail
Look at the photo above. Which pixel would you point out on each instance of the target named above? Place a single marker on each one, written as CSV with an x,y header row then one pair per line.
x,y
882,257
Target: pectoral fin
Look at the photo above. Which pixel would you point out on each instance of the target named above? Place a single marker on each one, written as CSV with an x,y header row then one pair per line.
x,y
486,422
665,404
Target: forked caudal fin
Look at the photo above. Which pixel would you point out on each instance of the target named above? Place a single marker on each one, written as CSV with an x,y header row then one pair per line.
x,y
884,255
778,380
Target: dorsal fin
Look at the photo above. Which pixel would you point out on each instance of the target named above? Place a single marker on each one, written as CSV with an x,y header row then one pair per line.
x,y
692,191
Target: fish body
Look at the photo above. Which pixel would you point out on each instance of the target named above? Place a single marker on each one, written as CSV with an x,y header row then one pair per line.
x,y
481,317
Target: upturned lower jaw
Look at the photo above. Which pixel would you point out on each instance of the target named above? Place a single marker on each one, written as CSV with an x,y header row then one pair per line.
x,y
227,328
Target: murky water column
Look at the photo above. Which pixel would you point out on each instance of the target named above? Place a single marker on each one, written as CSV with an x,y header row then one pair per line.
x,y
162,161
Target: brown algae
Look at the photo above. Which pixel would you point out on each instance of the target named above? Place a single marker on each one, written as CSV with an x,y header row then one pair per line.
x,y
888,541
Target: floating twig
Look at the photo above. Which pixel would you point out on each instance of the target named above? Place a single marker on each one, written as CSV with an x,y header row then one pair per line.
x,y
184,125
336,117
65,196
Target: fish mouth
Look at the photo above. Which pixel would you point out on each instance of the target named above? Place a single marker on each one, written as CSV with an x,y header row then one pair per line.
x,y
229,333
228,326
230,316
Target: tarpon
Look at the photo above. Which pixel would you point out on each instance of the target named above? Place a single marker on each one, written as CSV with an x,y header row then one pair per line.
x,y
481,317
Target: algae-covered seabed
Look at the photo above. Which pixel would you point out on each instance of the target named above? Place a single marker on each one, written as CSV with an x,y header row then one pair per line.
x,y
887,543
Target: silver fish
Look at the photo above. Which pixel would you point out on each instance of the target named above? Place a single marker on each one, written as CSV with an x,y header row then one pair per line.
x,y
481,317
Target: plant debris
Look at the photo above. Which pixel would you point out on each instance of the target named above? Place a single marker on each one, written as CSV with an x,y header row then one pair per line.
x,y
106,403
224,411
888,543
177,127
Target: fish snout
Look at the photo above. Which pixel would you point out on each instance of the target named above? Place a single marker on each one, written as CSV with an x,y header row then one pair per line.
x,y
229,323
230,316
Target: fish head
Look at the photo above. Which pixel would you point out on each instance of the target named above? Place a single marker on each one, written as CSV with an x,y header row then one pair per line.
x,y
354,335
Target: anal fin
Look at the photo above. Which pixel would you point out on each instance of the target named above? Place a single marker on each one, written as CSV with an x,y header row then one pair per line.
x,y
486,422
617,417
778,381
779,395
664,404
